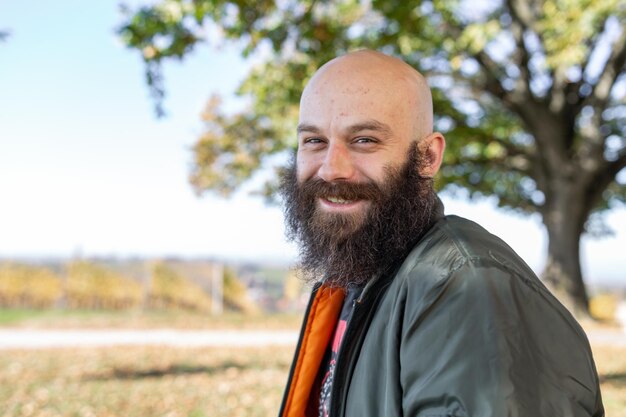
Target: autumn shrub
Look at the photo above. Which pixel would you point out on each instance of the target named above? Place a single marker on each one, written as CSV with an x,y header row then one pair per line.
x,y
170,289
295,293
28,286
603,306
96,287
236,294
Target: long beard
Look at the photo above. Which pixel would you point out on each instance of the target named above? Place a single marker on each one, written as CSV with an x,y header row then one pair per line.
x,y
347,250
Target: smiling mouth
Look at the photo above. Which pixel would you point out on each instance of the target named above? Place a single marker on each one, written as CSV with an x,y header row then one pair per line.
x,y
337,200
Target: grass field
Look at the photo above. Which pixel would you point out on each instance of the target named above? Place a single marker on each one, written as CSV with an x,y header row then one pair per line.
x,y
169,382
139,319
177,382
611,363
143,382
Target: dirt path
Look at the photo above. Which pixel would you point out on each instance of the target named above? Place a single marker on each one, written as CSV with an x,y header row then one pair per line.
x,y
43,339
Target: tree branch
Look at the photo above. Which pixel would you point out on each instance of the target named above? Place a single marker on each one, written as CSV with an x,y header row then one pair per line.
x,y
592,44
614,167
492,82
512,150
522,86
521,11
517,158
523,19
613,66
490,69
602,179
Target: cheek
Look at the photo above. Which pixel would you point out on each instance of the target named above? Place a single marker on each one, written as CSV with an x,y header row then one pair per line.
x,y
374,169
305,168
302,172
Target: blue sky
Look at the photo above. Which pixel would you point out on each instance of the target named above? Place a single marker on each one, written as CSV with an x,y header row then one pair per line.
x,y
85,167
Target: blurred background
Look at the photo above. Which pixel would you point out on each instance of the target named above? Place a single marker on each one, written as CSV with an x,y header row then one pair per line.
x,y
139,146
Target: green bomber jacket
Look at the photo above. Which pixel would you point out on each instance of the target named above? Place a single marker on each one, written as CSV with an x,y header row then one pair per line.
x,y
462,328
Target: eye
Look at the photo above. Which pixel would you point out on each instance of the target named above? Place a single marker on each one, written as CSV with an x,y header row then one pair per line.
x,y
313,140
365,140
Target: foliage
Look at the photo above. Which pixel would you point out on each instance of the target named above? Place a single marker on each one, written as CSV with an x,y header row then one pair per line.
x,y
293,287
531,95
236,294
28,286
603,306
86,286
295,292
169,289
488,65
94,286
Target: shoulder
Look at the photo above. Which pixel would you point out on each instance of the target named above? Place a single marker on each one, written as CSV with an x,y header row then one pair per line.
x,y
462,269
457,247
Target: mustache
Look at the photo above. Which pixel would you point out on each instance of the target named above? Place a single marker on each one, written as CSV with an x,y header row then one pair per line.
x,y
318,188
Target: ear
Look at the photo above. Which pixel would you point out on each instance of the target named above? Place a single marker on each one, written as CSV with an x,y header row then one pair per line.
x,y
432,147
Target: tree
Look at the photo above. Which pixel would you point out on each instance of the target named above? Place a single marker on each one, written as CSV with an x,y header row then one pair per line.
x,y
529,93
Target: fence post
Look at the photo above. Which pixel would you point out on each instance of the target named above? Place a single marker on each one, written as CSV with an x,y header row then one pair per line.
x,y
217,289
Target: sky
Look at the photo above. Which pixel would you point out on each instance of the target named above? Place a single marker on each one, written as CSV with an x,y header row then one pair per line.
x,y
86,169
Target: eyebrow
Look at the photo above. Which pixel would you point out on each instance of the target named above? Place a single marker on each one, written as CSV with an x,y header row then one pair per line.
x,y
303,127
373,125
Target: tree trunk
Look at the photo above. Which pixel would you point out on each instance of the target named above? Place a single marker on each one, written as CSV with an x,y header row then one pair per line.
x,y
564,217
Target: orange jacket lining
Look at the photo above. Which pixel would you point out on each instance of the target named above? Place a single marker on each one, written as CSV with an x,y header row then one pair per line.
x,y
320,325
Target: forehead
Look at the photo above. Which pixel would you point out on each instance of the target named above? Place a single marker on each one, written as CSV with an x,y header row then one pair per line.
x,y
346,100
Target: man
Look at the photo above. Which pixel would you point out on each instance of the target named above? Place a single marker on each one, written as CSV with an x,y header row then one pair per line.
x,y
413,313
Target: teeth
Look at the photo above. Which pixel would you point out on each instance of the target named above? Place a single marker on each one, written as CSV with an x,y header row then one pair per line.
x,y
338,200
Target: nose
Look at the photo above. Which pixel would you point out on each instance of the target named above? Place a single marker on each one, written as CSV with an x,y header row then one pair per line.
x,y
337,164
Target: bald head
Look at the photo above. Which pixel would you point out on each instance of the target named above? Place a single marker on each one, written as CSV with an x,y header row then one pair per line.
x,y
360,114
371,76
